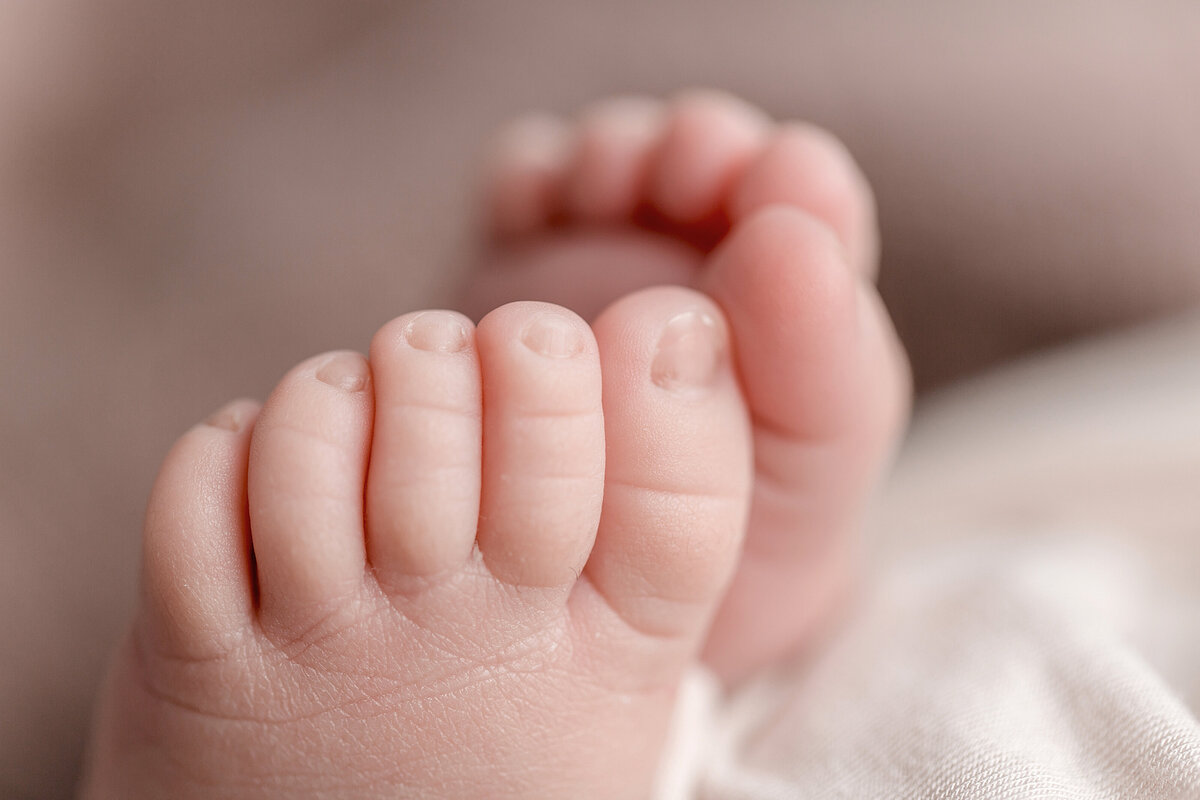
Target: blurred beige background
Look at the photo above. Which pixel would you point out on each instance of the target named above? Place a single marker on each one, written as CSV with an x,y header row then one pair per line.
x,y
193,197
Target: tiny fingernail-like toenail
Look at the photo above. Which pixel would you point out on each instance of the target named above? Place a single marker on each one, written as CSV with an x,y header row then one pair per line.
x,y
346,371
437,333
689,352
553,336
231,418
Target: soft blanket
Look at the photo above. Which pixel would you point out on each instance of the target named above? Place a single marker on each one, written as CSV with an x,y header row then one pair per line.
x,y
1031,627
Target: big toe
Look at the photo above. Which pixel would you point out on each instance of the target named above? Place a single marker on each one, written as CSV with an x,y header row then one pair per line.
x,y
827,386
678,464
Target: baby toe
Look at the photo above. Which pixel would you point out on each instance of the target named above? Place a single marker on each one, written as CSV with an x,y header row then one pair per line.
x,y
525,170
678,471
803,166
709,139
423,489
614,143
543,443
826,384
197,580
308,465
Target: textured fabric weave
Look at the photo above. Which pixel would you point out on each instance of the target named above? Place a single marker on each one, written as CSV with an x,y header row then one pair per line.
x,y
1033,628
982,674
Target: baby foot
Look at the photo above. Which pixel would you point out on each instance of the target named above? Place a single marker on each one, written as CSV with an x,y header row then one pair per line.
x,y
776,223
440,573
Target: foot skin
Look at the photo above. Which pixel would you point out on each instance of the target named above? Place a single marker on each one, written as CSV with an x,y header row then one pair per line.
x,y
442,572
777,225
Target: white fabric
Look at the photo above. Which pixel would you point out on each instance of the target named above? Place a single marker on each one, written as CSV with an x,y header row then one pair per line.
x,y
998,671
1033,628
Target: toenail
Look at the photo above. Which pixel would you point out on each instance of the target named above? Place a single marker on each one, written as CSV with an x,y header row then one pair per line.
x,y
437,333
553,336
346,371
231,418
689,352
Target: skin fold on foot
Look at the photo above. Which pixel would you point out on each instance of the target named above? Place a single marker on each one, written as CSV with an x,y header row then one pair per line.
x,y
473,565
776,223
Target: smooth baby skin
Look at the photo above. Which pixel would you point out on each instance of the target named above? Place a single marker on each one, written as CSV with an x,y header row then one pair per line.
x,y
777,224
474,565
478,563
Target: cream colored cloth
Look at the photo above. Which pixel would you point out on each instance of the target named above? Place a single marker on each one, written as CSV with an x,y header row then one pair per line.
x,y
1033,626
997,671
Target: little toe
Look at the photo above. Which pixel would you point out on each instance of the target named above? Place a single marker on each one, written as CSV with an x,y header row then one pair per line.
x,y
806,167
614,142
197,579
308,466
709,139
423,488
543,443
525,171
678,468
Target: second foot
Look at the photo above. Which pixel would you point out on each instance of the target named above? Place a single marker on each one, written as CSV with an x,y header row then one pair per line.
x,y
474,565
776,223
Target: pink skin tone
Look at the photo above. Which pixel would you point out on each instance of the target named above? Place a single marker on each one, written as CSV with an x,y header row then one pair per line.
x,y
478,562
777,224
468,580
